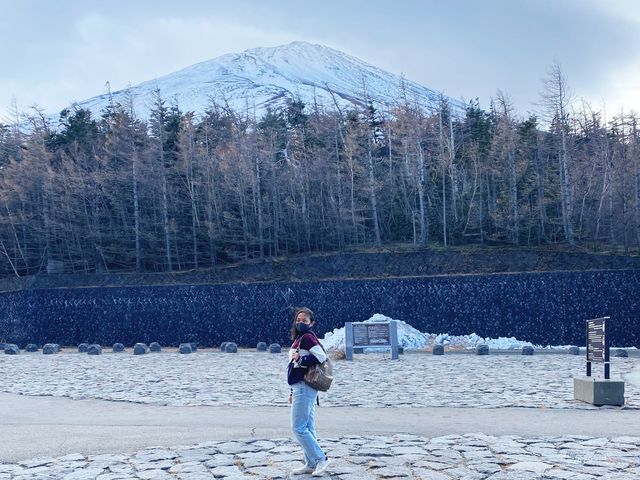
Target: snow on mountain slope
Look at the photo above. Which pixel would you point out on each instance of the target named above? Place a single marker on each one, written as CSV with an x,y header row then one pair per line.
x,y
253,80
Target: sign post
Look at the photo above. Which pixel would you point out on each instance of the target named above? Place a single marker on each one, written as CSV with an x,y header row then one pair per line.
x,y
593,390
371,334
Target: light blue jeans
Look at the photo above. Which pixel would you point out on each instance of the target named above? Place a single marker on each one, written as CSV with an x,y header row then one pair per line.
x,y
303,414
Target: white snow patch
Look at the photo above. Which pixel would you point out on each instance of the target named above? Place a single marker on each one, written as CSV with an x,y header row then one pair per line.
x,y
410,338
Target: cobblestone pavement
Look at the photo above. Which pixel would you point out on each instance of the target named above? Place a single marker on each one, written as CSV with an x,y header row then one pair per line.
x,y
469,457
372,380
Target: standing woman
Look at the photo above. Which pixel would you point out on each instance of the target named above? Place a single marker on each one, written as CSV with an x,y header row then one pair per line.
x,y
305,352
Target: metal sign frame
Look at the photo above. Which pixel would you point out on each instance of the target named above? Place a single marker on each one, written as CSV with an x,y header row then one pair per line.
x,y
388,341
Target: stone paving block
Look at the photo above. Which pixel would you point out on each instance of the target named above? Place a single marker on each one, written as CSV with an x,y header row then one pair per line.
x,y
535,467
267,472
88,473
431,465
357,476
154,475
220,460
392,472
464,472
226,471
517,475
37,462
424,474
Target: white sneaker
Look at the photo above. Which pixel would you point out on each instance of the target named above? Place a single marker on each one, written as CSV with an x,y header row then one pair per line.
x,y
303,470
321,467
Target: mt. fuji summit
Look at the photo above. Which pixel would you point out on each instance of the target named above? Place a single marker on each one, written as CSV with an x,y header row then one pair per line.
x,y
252,81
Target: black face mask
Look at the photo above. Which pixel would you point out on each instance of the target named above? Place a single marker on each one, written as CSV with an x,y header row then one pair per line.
x,y
302,327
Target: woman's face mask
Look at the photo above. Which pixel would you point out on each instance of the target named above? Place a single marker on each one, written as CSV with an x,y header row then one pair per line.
x,y
303,323
303,327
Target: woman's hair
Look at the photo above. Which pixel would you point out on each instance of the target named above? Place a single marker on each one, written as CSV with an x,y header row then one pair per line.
x,y
298,311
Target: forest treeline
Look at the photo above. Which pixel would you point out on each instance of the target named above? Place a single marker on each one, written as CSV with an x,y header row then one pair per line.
x,y
182,191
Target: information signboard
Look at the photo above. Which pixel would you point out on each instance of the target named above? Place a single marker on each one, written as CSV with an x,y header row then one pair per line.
x,y
371,334
597,344
596,340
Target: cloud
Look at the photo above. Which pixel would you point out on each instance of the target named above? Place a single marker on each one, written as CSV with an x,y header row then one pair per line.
x,y
99,48
57,52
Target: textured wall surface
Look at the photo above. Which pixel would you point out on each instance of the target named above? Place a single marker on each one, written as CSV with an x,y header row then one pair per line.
x,y
544,308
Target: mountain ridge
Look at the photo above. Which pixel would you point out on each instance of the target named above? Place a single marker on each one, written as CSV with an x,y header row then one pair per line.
x,y
263,78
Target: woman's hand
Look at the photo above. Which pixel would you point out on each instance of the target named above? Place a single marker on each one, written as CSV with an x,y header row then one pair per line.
x,y
295,356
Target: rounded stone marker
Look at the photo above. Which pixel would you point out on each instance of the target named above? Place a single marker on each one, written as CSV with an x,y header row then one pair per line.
x,y
94,349
482,349
527,350
11,349
621,353
31,347
140,349
185,348
275,348
438,349
155,347
223,345
573,350
118,347
194,346
82,348
50,348
261,347
231,347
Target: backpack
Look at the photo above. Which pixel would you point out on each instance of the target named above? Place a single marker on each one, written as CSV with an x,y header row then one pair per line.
x,y
320,375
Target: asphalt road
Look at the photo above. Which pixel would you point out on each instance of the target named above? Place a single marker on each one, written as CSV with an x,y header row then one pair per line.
x,y
53,426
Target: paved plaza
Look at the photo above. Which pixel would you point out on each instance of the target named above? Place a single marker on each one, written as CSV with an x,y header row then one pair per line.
x,y
372,380
208,415
354,457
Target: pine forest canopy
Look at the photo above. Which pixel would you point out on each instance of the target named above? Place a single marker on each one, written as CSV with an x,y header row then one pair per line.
x,y
183,191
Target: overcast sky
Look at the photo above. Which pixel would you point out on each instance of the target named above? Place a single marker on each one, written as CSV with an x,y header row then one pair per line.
x,y
55,52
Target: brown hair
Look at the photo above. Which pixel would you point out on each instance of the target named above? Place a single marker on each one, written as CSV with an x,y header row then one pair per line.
x,y
298,311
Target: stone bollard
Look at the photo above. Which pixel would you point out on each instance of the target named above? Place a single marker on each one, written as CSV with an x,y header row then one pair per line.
x,y
94,349
231,347
31,347
118,347
82,348
223,346
261,347
482,349
194,346
11,349
573,351
185,348
155,347
50,348
527,350
140,349
620,353
438,349
275,348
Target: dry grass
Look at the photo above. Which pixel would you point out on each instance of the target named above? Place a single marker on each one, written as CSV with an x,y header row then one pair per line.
x,y
336,354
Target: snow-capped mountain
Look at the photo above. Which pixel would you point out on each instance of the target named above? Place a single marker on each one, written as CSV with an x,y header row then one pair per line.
x,y
253,80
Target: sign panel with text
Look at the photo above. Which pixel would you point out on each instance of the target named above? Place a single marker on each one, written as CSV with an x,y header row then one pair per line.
x,y
361,335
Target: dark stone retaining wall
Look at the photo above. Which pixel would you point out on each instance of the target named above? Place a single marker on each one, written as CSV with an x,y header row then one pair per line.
x,y
544,308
